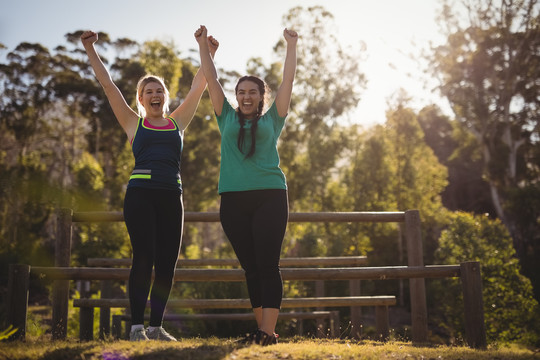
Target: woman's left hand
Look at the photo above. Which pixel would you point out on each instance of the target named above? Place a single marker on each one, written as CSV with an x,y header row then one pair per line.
x,y
290,35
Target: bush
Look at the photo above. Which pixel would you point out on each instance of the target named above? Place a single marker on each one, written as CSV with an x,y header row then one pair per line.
x,y
511,312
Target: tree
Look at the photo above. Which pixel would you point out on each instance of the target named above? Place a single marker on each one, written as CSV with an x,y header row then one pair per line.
x,y
394,170
163,60
327,86
41,136
418,178
388,167
489,70
458,150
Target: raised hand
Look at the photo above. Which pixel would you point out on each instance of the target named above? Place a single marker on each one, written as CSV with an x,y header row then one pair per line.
x,y
290,35
201,34
207,47
89,37
213,44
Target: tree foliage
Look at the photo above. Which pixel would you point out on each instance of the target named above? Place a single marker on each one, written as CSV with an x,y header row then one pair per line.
x,y
390,168
489,70
511,312
327,86
459,151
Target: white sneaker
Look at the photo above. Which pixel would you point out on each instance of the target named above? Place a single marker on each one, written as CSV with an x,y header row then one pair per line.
x,y
138,335
159,334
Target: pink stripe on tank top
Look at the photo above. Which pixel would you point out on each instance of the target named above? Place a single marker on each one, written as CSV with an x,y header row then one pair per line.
x,y
169,126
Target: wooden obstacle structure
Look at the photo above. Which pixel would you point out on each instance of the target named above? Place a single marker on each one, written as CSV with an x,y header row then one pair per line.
x,y
327,322
416,272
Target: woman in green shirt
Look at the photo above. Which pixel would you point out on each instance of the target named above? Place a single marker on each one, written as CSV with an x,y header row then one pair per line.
x,y
254,205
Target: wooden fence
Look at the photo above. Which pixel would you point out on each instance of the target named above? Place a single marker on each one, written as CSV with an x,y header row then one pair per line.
x,y
322,317
416,272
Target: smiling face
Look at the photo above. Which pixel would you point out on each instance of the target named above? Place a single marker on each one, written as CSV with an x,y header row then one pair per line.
x,y
152,97
248,97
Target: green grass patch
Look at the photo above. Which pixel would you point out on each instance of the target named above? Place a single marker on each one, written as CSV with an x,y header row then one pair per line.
x,y
228,349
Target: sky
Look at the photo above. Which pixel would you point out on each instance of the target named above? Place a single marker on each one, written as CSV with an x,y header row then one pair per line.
x,y
392,30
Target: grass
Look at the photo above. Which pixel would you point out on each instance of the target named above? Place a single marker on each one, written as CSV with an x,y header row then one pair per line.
x,y
226,349
38,345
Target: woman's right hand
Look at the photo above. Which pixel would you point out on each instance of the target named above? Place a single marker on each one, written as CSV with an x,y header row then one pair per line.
x,y
213,45
89,37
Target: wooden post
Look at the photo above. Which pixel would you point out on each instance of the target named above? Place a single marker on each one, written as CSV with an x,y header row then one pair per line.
x,y
17,301
415,257
381,322
105,313
127,329
117,326
86,323
356,311
334,324
471,282
60,288
319,292
300,327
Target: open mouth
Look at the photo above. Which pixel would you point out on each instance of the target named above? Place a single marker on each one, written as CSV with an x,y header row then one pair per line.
x,y
156,105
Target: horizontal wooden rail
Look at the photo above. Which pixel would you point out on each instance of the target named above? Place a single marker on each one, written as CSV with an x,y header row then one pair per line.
x,y
358,216
236,316
293,261
331,316
362,273
246,304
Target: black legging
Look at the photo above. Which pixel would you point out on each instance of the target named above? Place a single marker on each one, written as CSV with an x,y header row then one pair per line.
x,y
154,219
255,223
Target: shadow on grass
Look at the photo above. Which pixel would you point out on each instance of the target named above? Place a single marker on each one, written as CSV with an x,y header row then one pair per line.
x,y
82,351
205,352
72,352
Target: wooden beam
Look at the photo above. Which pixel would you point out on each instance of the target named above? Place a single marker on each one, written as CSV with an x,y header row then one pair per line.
x,y
306,274
358,216
245,303
295,261
331,316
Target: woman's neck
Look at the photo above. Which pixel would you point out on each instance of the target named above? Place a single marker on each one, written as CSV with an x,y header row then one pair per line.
x,y
249,117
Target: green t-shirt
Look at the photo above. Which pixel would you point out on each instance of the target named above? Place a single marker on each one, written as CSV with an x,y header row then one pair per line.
x,y
261,170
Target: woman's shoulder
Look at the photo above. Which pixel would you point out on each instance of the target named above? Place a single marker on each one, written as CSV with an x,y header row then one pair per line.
x,y
227,111
272,112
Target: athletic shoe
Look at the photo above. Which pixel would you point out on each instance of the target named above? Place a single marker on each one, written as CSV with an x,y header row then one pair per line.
x,y
159,334
249,338
138,335
264,339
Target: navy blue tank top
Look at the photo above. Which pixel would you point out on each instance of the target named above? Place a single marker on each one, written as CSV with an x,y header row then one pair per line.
x,y
157,152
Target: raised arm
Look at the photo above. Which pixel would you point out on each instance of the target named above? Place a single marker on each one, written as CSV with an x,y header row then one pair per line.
x,y
184,113
124,114
283,96
217,95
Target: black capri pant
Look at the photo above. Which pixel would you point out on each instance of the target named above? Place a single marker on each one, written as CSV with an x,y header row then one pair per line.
x,y
255,223
154,220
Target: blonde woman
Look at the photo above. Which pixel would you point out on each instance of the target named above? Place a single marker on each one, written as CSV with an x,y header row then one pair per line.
x,y
153,207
